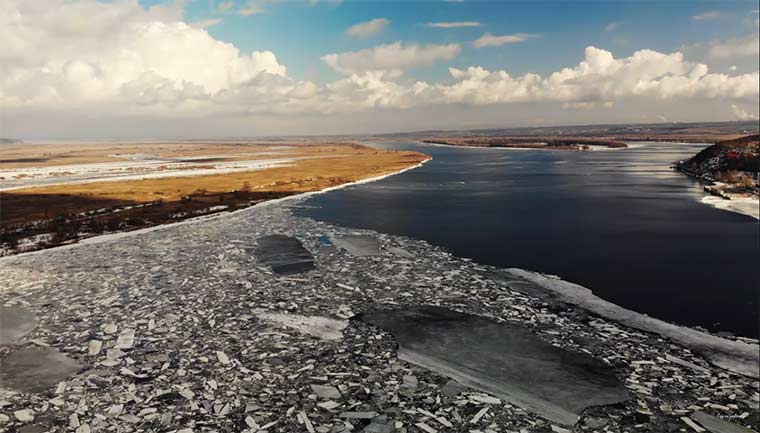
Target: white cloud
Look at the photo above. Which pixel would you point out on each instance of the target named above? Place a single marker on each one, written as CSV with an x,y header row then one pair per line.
x,y
226,6
204,24
367,28
600,78
454,24
740,47
707,15
741,114
489,40
586,105
392,57
611,27
61,52
122,59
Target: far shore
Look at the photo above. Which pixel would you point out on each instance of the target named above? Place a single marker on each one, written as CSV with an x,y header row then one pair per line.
x,y
538,143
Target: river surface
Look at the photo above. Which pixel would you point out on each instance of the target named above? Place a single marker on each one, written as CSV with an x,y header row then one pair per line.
x,y
619,222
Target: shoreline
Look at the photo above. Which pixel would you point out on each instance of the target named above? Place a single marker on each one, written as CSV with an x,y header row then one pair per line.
x,y
631,145
716,198
540,149
741,205
537,142
120,235
41,217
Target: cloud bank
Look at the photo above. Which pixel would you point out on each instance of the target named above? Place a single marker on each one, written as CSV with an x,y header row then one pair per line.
x,y
121,58
392,57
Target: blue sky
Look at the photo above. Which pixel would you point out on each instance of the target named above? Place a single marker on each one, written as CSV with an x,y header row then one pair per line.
x,y
300,33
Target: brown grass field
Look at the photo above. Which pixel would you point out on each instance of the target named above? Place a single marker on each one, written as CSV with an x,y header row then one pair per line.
x,y
72,211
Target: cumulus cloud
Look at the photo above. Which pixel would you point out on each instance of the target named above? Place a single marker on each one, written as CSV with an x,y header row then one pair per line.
x,y
368,28
740,47
392,57
121,58
489,40
611,27
56,52
741,114
707,15
600,78
454,24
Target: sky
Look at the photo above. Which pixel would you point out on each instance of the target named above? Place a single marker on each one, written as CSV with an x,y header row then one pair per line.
x,y
231,68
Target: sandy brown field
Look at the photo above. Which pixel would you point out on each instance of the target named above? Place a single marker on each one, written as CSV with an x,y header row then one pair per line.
x,y
69,211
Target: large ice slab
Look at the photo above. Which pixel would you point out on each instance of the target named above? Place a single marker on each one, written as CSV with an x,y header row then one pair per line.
x,y
357,245
321,327
284,254
735,356
15,322
36,369
503,359
716,425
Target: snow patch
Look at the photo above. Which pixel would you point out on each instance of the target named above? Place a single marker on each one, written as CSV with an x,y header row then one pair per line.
x,y
742,205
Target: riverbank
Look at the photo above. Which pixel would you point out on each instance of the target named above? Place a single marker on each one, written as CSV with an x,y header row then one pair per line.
x,y
725,196
536,143
193,332
98,196
729,171
748,206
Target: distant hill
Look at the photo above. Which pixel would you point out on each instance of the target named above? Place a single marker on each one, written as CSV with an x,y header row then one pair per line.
x,y
533,142
695,132
726,158
9,141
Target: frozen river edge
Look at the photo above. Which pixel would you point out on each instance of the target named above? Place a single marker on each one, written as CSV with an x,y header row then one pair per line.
x,y
189,291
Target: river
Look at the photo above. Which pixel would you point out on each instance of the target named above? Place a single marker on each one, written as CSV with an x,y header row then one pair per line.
x,y
619,222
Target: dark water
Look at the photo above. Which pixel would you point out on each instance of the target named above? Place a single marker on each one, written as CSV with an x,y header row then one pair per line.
x,y
620,222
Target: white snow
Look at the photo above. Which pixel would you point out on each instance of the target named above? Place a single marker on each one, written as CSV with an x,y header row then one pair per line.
x,y
119,171
136,168
742,205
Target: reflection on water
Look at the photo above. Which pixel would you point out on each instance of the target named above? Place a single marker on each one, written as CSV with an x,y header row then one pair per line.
x,y
621,223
